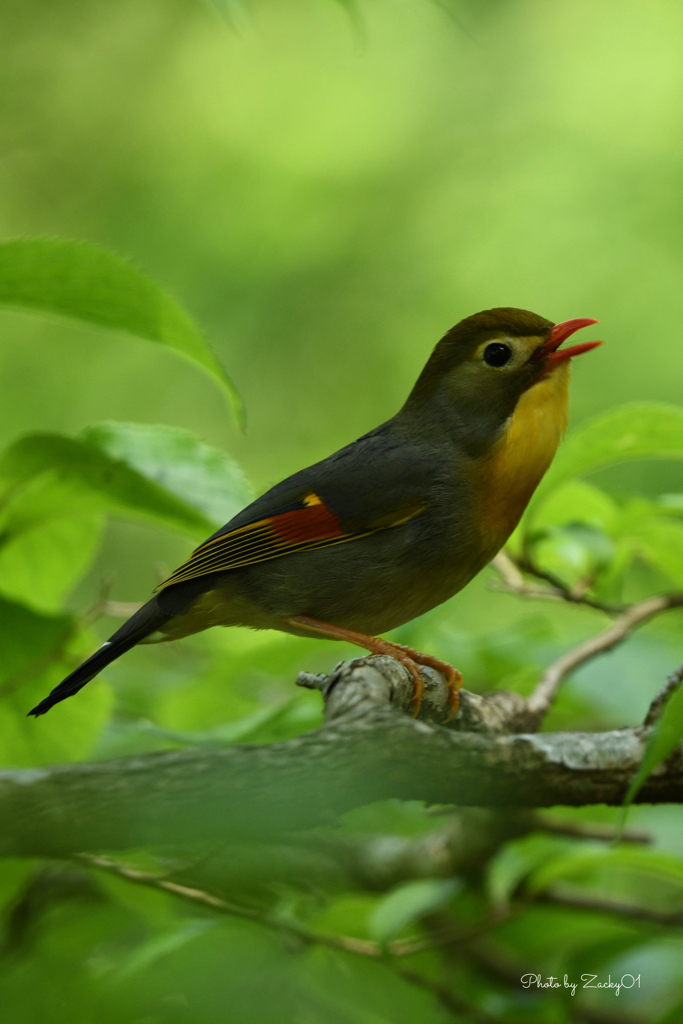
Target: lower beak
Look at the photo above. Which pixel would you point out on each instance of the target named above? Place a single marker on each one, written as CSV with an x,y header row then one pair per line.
x,y
559,333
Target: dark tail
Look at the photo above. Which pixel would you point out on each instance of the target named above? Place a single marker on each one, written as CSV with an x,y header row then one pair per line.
x,y
145,621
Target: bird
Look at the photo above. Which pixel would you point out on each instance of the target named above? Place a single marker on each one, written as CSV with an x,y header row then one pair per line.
x,y
391,525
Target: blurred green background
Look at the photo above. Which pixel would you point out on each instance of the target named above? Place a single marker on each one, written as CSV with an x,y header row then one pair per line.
x,y
328,187
329,196
329,193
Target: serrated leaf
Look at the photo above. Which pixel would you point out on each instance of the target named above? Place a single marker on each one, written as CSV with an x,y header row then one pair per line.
x,y
408,903
97,286
636,431
203,476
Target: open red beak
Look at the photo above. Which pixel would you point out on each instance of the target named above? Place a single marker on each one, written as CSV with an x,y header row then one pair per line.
x,y
559,333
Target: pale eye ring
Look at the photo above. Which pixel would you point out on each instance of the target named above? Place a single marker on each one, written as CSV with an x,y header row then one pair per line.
x,y
497,354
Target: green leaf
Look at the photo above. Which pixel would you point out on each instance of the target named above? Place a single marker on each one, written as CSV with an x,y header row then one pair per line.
x,y
672,1016
671,502
88,470
36,652
13,877
224,735
48,536
660,541
596,950
408,903
636,431
58,489
147,953
128,737
95,285
577,502
662,741
179,462
574,552
517,859
579,863
223,690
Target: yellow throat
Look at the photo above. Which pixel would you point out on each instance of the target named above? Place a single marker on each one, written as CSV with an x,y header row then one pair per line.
x,y
522,454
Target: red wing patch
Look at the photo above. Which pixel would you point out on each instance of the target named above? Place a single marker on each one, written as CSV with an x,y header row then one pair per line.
x,y
314,522
312,525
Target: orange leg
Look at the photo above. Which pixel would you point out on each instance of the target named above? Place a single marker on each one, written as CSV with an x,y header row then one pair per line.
x,y
406,655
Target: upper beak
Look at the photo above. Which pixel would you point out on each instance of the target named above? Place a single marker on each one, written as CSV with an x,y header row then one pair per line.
x,y
559,333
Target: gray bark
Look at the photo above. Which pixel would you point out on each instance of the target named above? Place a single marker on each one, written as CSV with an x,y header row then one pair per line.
x,y
368,749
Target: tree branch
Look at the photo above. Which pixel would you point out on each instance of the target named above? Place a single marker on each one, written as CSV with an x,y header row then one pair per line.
x,y
512,581
657,705
367,750
543,696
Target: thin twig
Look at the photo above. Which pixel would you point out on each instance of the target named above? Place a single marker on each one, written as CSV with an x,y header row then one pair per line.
x,y
116,609
121,609
362,947
512,581
398,948
657,706
509,572
205,899
545,693
574,595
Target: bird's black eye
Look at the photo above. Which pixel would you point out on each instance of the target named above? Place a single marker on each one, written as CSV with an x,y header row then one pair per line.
x,y
497,354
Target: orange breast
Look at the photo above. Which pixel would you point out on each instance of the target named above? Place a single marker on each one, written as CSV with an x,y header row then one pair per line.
x,y
513,469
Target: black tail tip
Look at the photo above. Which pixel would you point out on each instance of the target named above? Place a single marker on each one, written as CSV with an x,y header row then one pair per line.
x,y
39,709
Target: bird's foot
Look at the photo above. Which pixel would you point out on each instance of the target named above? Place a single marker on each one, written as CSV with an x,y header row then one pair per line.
x,y
406,655
453,676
